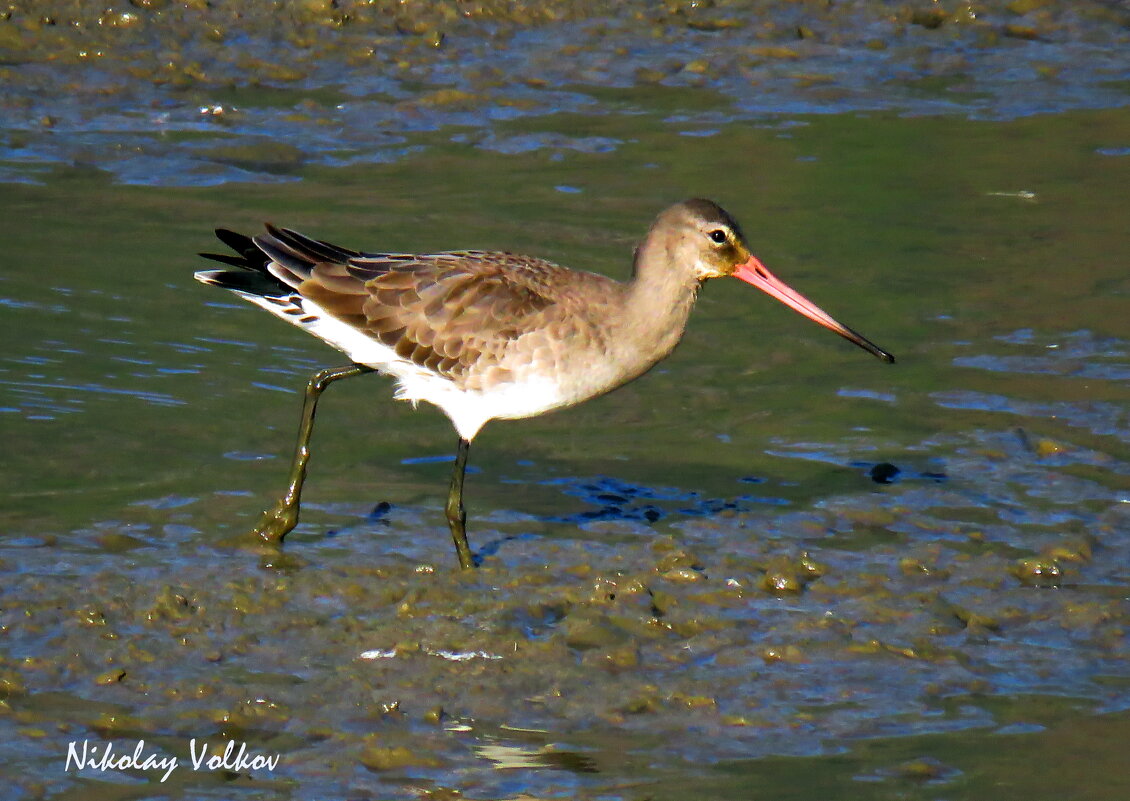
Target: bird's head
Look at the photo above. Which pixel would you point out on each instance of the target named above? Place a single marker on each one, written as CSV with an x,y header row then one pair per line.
x,y
701,235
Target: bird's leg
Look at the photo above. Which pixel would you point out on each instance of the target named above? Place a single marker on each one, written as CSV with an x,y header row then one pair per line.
x,y
276,522
456,514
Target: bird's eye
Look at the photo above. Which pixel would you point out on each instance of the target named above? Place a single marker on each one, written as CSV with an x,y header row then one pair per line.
x,y
718,236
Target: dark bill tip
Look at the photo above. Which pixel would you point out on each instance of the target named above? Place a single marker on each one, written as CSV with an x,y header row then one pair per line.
x,y
867,345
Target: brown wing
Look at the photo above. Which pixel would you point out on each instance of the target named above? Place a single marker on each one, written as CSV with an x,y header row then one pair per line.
x,y
452,312
449,312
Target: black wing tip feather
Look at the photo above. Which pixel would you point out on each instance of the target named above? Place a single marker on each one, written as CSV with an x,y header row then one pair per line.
x,y
240,243
252,277
248,256
253,283
314,249
279,250
226,258
253,256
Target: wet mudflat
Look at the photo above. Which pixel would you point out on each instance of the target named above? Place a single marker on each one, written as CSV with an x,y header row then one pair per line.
x,y
771,568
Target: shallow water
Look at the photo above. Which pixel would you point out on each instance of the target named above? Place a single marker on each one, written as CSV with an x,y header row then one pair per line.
x,y
773,567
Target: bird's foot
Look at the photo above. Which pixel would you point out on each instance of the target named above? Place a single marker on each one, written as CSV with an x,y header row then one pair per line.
x,y
276,523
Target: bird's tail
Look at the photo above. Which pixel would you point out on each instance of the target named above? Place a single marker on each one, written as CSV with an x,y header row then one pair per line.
x,y
252,277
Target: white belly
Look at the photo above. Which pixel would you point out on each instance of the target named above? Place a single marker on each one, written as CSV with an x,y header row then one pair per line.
x,y
468,410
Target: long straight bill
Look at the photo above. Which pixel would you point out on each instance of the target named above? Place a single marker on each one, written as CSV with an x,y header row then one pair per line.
x,y
754,272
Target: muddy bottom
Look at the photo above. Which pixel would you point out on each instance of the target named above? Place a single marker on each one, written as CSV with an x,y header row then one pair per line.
x,y
199,94
578,655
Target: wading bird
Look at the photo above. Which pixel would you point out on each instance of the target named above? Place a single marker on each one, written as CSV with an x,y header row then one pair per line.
x,y
486,335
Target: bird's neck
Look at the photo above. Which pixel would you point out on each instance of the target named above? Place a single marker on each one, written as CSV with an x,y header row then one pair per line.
x,y
660,297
